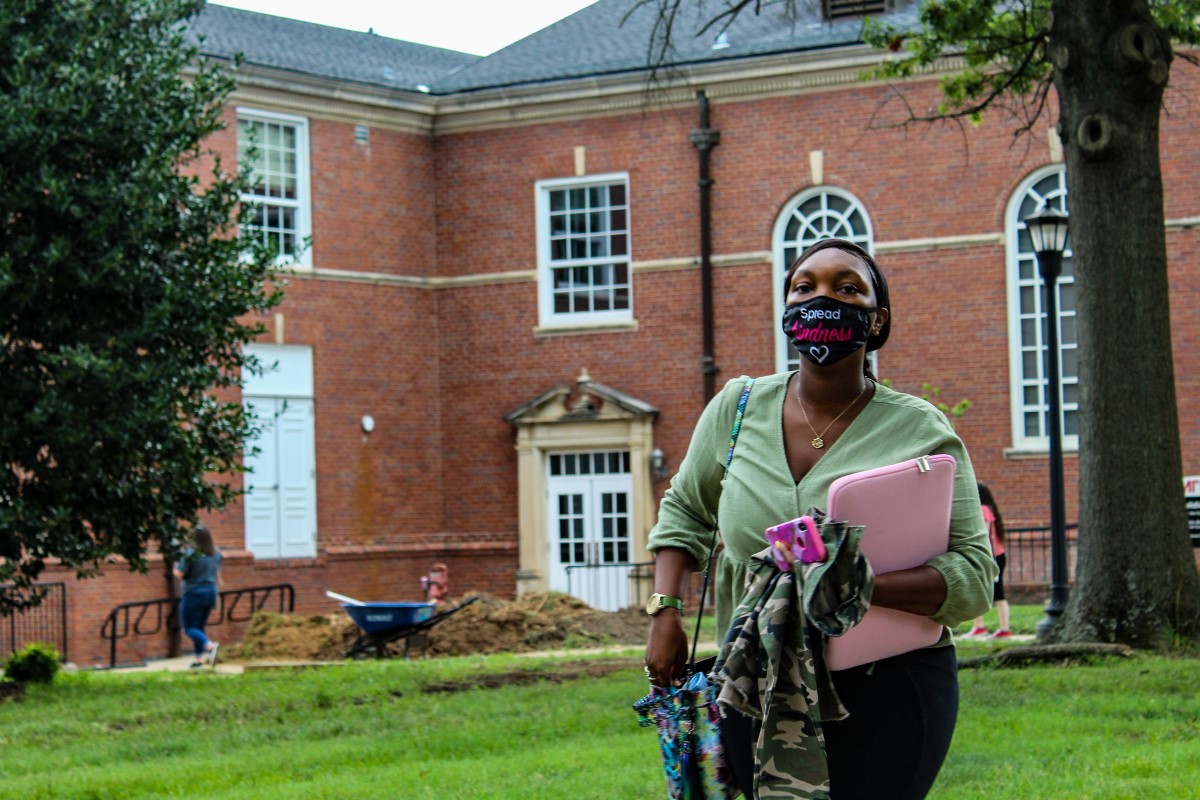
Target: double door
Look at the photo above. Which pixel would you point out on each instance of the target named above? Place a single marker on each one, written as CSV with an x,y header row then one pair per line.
x,y
281,491
590,498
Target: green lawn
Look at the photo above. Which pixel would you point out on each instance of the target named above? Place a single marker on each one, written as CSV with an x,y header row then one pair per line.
x,y
1111,729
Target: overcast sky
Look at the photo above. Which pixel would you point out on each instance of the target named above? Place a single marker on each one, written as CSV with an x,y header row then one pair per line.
x,y
471,26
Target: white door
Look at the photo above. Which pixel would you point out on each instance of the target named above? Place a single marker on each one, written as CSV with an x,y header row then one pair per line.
x,y
261,483
590,510
281,513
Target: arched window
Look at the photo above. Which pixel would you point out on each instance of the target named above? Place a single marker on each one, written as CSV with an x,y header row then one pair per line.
x,y
1026,319
814,214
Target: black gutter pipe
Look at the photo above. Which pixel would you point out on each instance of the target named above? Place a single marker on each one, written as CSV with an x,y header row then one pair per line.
x,y
705,139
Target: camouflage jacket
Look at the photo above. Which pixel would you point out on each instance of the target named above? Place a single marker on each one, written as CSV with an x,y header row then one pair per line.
x,y
771,668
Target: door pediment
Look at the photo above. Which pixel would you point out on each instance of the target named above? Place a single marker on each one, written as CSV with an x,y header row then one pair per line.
x,y
586,401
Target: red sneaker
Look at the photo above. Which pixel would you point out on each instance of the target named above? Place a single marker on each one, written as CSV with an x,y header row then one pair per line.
x,y
976,633
1001,635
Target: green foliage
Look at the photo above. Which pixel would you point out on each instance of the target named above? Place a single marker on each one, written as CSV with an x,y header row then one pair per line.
x,y
1179,18
35,663
1003,46
125,293
933,395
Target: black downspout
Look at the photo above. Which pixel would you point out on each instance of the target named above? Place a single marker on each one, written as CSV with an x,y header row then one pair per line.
x,y
705,139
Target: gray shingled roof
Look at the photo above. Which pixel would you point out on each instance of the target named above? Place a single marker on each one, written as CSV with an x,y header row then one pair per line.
x,y
311,49
601,39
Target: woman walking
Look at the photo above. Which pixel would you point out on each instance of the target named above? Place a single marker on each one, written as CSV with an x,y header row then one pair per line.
x,y
199,569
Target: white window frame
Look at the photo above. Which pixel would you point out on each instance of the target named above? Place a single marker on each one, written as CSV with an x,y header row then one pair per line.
x,y
288,379
1017,258
547,317
303,202
828,223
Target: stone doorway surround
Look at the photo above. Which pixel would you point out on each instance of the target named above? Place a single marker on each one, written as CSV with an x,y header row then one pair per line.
x,y
588,416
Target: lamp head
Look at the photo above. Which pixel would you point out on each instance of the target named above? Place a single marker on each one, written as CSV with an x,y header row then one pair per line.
x,y
1048,230
658,464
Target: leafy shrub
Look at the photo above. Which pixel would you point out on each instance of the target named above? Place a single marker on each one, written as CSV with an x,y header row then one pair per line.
x,y
34,663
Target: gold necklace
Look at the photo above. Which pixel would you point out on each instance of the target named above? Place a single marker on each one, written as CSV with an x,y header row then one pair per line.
x,y
817,441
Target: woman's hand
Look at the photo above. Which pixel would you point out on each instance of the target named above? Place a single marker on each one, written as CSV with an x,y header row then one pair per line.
x,y
787,555
666,648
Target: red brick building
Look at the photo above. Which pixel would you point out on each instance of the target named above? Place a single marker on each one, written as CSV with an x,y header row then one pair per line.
x,y
498,323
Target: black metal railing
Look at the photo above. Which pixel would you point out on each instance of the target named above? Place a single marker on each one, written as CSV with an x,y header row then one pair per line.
x,y
150,617
45,622
611,587
1027,551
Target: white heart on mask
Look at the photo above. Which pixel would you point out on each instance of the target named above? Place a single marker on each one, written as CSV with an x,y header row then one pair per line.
x,y
819,353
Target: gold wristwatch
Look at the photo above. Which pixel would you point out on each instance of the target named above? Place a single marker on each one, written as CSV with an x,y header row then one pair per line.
x,y
658,602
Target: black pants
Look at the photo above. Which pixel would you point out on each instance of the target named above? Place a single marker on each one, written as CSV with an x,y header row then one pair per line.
x,y
891,747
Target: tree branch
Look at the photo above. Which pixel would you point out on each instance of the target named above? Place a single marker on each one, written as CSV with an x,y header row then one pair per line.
x,y
1023,656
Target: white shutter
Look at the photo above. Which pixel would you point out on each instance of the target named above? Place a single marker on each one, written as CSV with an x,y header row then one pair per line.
x,y
297,481
261,483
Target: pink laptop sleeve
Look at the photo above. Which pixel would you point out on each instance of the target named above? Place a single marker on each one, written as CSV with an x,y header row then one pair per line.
x,y
905,513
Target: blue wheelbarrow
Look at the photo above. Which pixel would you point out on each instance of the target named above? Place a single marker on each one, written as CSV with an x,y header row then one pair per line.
x,y
385,624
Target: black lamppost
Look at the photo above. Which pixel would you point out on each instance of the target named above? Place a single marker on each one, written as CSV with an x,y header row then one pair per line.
x,y
1048,232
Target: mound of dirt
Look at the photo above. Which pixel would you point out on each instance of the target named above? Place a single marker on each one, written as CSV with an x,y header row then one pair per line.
x,y
543,621
293,637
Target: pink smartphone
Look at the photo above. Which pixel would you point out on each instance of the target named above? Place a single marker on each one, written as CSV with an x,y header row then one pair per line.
x,y
802,536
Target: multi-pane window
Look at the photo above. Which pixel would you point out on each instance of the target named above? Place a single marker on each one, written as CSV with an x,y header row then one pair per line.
x,y
605,463
811,216
583,247
274,148
1027,317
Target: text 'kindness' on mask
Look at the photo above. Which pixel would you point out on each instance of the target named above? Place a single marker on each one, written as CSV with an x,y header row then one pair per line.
x,y
825,330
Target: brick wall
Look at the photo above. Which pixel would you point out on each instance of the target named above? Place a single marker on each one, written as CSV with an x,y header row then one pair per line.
x,y
437,368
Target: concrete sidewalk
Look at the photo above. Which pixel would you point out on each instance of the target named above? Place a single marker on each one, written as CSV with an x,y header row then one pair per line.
x,y
183,663
180,664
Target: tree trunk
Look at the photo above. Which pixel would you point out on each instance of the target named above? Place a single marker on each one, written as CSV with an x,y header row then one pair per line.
x,y
1136,580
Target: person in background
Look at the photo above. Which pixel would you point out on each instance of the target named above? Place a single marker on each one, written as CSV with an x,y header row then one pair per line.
x,y
436,583
199,569
991,515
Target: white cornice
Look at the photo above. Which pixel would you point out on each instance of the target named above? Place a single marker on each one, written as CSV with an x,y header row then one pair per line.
x,y
297,93
749,78
626,92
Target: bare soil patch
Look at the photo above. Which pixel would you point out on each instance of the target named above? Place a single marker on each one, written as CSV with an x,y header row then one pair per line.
x,y
569,671
543,621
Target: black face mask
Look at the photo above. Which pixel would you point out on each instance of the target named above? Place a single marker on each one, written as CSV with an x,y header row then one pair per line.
x,y
825,330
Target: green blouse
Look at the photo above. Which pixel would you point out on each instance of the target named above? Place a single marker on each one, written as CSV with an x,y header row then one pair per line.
x,y
760,492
